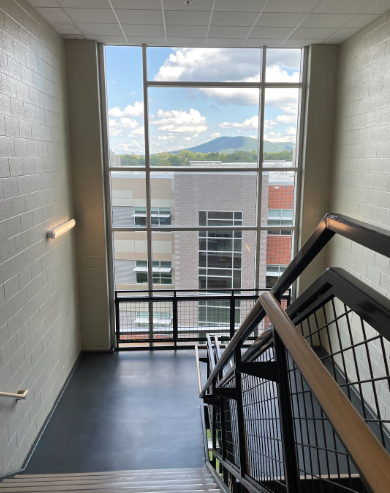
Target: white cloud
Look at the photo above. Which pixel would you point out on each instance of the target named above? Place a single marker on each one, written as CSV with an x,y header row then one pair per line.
x,y
187,139
138,131
216,135
205,64
289,135
121,125
166,137
249,124
129,147
136,110
180,121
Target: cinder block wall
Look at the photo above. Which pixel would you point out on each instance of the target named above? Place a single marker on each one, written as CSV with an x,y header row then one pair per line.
x,y
39,330
361,168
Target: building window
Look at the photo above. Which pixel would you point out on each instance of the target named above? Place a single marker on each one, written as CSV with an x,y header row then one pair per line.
x,y
274,271
160,216
162,272
280,217
160,319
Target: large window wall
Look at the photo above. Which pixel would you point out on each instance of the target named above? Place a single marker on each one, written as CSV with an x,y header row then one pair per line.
x,y
204,166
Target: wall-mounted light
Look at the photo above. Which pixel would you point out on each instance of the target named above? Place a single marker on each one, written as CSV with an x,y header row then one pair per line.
x,y
61,229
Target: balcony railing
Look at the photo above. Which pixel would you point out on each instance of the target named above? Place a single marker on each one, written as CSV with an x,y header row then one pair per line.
x,y
182,318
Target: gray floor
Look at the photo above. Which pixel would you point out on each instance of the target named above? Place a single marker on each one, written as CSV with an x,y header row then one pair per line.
x,y
125,410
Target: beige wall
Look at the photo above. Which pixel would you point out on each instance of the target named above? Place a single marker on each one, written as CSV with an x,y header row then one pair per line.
x,y
318,148
39,333
361,171
87,156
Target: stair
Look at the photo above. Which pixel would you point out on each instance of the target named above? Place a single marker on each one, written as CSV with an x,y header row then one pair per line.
x,y
145,481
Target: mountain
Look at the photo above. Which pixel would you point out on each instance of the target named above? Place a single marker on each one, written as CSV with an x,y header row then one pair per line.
x,y
231,144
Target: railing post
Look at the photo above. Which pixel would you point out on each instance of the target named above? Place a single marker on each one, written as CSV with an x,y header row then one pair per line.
x,y
151,334
117,319
240,414
175,321
232,314
291,470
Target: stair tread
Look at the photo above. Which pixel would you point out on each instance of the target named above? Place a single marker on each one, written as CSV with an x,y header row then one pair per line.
x,y
134,478
129,471
181,481
111,488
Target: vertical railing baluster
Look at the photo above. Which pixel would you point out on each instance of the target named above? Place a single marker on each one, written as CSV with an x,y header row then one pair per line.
x,y
291,470
240,414
232,314
175,321
117,319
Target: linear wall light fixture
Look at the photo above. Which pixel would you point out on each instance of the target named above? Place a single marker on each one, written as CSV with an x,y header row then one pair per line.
x,y
61,229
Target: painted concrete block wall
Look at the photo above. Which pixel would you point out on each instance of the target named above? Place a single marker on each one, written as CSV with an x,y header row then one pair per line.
x,y
39,329
318,148
360,185
87,168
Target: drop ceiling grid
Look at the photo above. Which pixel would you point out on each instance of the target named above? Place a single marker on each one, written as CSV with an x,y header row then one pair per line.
x,y
212,23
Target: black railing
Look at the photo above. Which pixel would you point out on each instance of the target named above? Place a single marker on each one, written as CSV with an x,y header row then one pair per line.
x,y
270,431
182,318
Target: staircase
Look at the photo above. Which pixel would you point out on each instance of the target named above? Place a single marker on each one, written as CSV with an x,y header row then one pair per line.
x,y
150,481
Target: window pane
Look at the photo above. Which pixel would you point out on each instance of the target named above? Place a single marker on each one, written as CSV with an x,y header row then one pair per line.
x,y
128,199
190,195
130,260
278,198
283,65
280,127
207,126
275,255
204,64
125,105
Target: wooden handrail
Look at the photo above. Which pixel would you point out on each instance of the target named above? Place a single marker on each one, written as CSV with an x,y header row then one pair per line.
x,y
369,456
21,394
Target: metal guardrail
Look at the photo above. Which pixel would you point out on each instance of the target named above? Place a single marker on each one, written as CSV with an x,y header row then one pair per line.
x,y
179,318
272,428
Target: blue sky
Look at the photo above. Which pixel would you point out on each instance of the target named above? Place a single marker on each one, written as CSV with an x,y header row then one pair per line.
x,y
181,118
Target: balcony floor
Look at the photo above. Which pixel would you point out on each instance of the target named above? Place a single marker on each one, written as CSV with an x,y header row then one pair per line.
x,y
125,410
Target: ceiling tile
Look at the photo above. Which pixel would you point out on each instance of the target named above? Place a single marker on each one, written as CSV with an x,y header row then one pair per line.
x,y
139,16
341,7
312,33
137,4
101,16
205,5
149,40
326,20
228,32
144,30
333,41
279,20
239,6
182,42
234,18
298,43
53,14
377,7
44,3
99,29
66,28
258,43
85,4
181,18
271,32
360,21
107,39
187,31
299,6
344,33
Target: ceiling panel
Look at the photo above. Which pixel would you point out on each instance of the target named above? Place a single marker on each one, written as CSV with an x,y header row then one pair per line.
x,y
239,6
360,21
100,29
228,32
137,4
344,33
312,33
44,3
187,31
85,4
299,6
258,43
144,30
53,15
234,18
66,28
187,18
271,32
377,7
205,5
139,16
326,20
280,20
102,16
341,7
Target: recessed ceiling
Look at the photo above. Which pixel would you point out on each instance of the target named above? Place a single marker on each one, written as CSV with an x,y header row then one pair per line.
x,y
211,23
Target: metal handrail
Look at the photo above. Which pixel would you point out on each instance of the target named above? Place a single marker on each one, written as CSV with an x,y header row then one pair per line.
x,y
377,239
369,456
20,394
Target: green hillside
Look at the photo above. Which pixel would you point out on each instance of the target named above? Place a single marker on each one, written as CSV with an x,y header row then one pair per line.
x,y
227,145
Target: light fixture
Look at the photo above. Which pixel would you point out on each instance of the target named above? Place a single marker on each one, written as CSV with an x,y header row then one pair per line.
x,y
61,229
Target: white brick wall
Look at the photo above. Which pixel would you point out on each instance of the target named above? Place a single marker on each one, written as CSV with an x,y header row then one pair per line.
x,y
361,164
39,336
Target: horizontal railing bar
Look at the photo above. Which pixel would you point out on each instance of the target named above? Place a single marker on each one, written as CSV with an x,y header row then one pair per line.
x,y
20,394
169,229
367,453
203,169
195,290
157,299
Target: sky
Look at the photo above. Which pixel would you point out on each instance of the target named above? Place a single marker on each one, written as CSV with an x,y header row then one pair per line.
x,y
180,118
